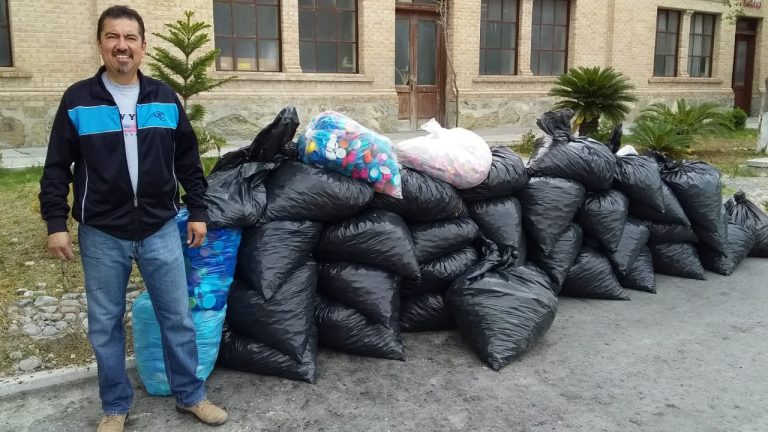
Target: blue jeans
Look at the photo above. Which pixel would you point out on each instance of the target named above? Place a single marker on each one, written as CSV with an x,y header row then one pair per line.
x,y
107,263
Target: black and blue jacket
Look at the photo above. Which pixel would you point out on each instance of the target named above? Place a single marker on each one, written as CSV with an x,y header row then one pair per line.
x,y
87,131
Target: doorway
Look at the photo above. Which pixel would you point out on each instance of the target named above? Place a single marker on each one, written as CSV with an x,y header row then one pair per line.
x,y
419,65
744,63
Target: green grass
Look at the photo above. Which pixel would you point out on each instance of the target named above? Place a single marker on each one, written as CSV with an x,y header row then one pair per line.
x,y
729,152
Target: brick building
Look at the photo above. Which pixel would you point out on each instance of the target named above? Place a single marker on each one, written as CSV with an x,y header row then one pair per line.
x,y
385,62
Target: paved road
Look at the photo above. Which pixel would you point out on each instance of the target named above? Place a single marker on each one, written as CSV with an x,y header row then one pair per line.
x,y
691,358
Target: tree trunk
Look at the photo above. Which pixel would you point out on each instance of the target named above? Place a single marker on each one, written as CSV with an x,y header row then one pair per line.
x,y
589,127
762,138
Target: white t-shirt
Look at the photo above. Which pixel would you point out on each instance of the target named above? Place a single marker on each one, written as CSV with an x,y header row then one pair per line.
x,y
126,96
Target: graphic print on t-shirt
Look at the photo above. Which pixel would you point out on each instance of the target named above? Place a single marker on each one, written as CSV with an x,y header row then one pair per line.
x,y
129,124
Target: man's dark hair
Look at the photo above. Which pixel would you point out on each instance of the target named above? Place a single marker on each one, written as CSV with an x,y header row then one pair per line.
x,y
116,12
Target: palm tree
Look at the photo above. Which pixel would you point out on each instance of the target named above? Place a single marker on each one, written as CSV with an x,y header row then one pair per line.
x,y
593,92
660,136
691,119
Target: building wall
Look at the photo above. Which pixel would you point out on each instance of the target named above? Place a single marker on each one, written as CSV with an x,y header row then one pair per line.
x,y
54,45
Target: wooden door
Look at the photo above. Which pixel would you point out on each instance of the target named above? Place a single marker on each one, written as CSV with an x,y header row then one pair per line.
x,y
419,71
743,69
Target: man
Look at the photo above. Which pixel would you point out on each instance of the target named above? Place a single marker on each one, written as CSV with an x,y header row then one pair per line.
x,y
131,143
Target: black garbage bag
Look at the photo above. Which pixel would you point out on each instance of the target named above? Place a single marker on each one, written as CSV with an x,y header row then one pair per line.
x,y
740,241
549,205
591,276
425,199
697,186
673,213
357,310
425,312
501,311
562,155
544,276
376,237
507,176
237,197
560,259
239,352
522,251
296,191
677,259
602,217
500,220
271,144
639,178
633,241
432,240
745,213
640,275
437,275
271,253
663,233
282,328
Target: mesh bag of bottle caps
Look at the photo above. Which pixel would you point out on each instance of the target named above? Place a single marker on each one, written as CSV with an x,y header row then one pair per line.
x,y
211,267
338,143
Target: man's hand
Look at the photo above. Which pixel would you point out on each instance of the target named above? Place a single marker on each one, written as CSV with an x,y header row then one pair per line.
x,y
60,246
196,233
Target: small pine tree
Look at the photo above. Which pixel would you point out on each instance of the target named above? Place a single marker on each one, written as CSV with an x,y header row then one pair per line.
x,y
186,75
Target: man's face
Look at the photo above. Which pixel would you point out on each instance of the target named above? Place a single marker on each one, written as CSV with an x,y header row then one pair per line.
x,y
121,47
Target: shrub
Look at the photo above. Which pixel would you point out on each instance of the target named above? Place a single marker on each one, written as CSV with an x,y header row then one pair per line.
x,y
661,136
690,119
738,118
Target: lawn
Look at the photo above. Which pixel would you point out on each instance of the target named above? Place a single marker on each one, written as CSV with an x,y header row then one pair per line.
x,y
727,153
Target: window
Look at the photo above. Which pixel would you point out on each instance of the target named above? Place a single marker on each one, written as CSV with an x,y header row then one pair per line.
x,y
700,45
665,58
498,37
328,36
549,37
5,35
248,34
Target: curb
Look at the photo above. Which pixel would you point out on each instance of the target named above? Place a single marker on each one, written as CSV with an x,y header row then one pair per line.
x,y
27,382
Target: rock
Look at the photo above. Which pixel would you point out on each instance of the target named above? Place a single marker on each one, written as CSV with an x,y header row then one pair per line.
x,y
82,315
49,331
53,316
132,288
69,310
70,296
30,329
70,317
133,294
61,325
48,309
46,301
85,323
16,355
21,291
29,263
28,293
40,285
13,310
28,311
70,303
22,303
30,364
26,319
37,317
13,328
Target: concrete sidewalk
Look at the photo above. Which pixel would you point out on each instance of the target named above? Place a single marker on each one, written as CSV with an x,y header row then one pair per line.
x,y
25,157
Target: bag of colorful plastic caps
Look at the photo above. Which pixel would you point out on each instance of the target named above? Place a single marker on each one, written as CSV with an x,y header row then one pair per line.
x,y
210,267
148,345
456,156
338,143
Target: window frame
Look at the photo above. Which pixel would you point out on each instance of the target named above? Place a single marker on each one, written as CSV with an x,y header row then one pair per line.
x,y
536,69
338,41
232,38
516,67
692,35
667,33
7,29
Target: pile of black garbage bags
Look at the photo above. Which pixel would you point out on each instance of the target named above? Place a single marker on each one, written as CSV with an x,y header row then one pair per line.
x,y
326,262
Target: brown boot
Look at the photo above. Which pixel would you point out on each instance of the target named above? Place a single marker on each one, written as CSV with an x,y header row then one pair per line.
x,y
112,423
206,412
